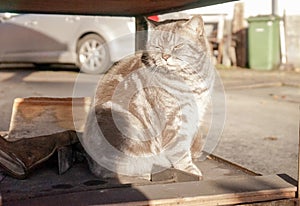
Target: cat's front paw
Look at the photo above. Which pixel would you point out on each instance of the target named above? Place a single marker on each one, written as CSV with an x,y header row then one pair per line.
x,y
190,168
197,172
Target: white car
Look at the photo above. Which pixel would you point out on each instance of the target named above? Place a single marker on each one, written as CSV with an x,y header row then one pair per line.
x,y
90,42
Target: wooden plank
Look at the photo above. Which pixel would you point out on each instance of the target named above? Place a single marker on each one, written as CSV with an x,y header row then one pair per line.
x,y
289,202
298,186
239,34
103,7
214,192
46,182
38,116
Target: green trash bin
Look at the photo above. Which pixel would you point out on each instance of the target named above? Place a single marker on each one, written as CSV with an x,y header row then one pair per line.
x,y
264,42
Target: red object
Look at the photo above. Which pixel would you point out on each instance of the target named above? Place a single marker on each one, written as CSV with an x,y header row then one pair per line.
x,y
153,18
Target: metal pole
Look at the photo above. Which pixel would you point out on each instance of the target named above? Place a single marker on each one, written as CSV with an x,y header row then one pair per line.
x,y
141,28
282,41
274,7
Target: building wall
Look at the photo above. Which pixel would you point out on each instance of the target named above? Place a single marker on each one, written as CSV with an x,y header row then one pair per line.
x,y
293,39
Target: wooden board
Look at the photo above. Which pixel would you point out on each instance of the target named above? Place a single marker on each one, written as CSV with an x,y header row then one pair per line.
x,y
45,181
287,202
39,116
212,192
103,7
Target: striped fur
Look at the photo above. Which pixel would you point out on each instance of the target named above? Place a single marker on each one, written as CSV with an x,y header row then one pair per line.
x,y
149,107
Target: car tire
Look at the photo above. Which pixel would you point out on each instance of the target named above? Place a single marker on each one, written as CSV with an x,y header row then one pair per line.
x,y
92,54
42,65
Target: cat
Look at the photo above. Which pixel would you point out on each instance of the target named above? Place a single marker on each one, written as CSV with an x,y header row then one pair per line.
x,y
148,108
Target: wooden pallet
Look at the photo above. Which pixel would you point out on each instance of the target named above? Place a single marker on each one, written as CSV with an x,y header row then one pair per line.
x,y
224,184
228,191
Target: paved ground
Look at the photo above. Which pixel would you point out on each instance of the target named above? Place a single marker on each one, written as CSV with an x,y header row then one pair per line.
x,y
262,110
261,129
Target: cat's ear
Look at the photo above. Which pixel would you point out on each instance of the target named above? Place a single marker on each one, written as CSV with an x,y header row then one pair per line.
x,y
195,24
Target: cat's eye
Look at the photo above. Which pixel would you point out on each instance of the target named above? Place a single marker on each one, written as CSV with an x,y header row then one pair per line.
x,y
179,46
155,47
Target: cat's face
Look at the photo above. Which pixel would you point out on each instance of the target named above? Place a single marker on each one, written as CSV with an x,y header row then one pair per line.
x,y
177,44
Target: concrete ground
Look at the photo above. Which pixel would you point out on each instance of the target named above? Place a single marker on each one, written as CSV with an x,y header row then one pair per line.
x,y
262,124
262,111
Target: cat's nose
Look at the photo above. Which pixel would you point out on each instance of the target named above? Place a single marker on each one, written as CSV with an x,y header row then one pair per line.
x,y
166,56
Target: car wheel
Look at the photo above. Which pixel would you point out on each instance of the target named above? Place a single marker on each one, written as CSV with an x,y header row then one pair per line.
x,y
92,54
42,65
